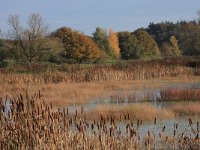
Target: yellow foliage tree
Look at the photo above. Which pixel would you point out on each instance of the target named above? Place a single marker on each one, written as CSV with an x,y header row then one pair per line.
x,y
171,48
77,45
114,43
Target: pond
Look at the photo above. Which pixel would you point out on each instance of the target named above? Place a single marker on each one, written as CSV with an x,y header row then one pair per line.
x,y
122,98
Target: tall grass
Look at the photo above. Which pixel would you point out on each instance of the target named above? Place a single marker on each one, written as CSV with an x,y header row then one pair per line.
x,y
27,122
137,70
180,95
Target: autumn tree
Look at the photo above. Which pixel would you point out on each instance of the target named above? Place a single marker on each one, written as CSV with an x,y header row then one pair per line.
x,y
114,44
31,41
175,46
171,48
149,46
77,45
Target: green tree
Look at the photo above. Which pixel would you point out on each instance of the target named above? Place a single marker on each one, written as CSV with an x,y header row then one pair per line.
x,y
149,46
186,32
77,45
129,46
3,53
100,37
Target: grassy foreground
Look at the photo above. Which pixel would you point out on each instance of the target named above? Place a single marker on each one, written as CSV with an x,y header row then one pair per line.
x,y
30,123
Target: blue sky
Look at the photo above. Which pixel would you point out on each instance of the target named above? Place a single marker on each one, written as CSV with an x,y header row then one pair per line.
x,y
86,15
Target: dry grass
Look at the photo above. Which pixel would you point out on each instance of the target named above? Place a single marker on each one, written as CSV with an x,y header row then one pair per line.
x,y
131,112
187,109
180,95
32,124
72,93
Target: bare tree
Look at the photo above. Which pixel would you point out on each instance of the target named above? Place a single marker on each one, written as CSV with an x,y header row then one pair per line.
x,y
1,35
198,14
31,40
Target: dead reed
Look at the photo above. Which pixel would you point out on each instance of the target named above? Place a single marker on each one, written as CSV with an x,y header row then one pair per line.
x,y
138,70
180,95
28,122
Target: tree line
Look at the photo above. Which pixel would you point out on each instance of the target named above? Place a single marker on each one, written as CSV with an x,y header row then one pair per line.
x,y
34,43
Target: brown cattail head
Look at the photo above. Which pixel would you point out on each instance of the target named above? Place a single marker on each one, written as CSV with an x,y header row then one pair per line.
x,y
155,121
190,121
163,129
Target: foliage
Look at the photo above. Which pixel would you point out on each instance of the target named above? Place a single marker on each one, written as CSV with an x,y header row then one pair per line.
x,y
31,42
2,51
171,48
101,38
187,33
148,44
114,44
129,47
77,45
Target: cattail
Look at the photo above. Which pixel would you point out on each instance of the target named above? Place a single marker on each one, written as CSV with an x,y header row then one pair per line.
x,y
111,132
39,94
138,122
51,105
149,133
190,121
131,123
155,121
82,110
100,138
166,139
128,116
197,126
159,135
197,136
176,125
163,129
92,126
174,132
67,112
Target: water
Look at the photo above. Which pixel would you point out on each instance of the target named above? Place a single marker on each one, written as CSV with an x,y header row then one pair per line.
x,y
150,94
138,96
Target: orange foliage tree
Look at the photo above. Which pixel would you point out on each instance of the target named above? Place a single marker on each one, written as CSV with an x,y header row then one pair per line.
x,y
114,43
77,45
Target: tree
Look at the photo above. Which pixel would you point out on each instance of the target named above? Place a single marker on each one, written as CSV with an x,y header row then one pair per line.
x,y
198,14
100,38
129,47
32,41
186,32
77,45
3,53
149,46
171,48
114,44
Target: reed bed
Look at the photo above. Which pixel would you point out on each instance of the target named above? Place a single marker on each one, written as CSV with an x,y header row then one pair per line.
x,y
28,122
186,109
79,93
180,95
138,70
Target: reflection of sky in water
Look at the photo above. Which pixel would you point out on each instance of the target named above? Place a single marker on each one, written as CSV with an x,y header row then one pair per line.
x,y
154,93
7,105
139,95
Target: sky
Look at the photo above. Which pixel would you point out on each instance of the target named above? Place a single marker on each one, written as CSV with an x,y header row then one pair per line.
x,y
86,15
